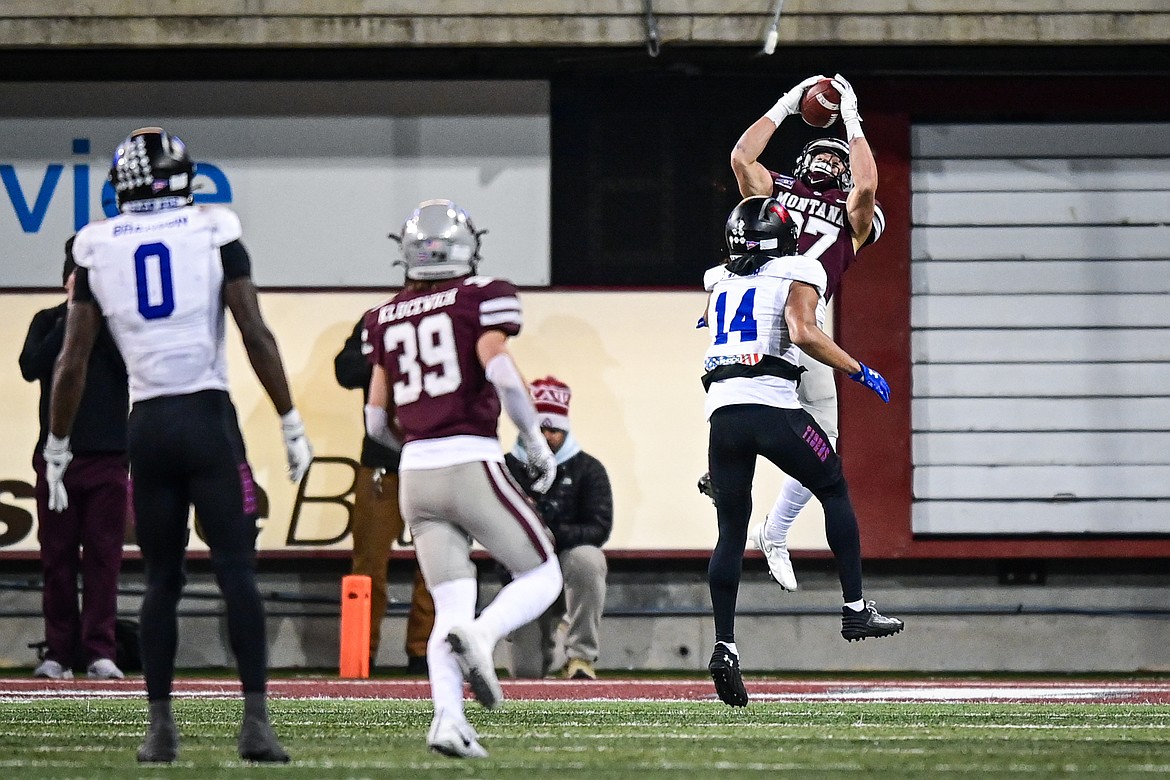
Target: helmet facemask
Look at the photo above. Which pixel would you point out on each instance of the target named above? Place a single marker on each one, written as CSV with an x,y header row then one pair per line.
x,y
818,174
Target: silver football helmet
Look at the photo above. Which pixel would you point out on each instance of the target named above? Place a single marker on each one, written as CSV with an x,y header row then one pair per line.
x,y
439,241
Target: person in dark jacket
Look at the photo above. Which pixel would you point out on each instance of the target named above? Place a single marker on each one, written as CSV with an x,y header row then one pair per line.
x,y
578,511
377,520
95,518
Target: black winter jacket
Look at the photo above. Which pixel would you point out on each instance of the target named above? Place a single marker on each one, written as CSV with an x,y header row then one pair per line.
x,y
578,508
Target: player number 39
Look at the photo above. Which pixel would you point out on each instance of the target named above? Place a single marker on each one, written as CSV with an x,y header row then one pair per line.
x,y
427,359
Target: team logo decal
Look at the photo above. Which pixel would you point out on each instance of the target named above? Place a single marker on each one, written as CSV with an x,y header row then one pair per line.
x,y
737,236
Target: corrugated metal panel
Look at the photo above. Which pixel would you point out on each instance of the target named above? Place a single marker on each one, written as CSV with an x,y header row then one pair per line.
x,y
1041,329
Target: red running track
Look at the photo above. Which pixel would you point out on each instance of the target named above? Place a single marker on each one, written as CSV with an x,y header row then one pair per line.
x,y
761,690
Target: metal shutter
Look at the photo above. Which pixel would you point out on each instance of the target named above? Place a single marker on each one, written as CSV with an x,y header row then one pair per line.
x,y
1041,328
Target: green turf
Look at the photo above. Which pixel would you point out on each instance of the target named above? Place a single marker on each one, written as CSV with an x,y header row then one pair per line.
x,y
645,740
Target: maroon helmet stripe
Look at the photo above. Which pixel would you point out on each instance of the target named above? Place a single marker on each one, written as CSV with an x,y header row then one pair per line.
x,y
514,500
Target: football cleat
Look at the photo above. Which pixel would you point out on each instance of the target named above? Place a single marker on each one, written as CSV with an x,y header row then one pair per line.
x,y
779,563
475,660
161,745
454,737
258,742
724,669
867,622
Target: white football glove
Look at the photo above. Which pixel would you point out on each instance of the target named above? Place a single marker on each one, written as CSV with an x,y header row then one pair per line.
x,y
849,114
57,458
789,102
542,464
296,444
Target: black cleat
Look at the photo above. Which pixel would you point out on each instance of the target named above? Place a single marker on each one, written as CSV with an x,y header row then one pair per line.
x,y
724,669
161,745
867,622
258,743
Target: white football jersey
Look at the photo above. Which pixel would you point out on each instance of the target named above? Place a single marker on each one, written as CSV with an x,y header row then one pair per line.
x,y
745,317
158,279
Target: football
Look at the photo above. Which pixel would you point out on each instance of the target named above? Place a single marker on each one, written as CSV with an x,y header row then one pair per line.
x,y
821,104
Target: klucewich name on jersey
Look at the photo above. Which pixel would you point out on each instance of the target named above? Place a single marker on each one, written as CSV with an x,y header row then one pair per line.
x,y
812,207
424,303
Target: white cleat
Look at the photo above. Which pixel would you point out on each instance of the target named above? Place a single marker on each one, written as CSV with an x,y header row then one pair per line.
x,y
454,737
475,660
779,564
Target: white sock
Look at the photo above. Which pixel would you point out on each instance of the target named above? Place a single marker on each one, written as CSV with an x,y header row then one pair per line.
x,y
856,606
793,498
521,601
730,646
454,605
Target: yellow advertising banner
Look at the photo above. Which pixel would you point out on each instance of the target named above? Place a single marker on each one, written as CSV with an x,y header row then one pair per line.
x,y
632,359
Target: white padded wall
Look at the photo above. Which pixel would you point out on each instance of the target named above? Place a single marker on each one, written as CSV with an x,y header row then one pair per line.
x,y
1041,329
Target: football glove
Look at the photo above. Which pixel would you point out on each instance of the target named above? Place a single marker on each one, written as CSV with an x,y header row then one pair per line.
x,y
850,117
789,103
296,444
705,486
57,458
542,465
873,380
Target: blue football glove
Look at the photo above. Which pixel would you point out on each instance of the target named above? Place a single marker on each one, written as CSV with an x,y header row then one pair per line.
x,y
873,380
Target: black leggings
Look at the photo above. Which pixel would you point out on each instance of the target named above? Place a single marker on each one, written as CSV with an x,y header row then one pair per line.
x,y
188,450
792,440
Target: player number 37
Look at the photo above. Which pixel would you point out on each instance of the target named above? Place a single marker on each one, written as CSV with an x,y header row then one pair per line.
x,y
427,358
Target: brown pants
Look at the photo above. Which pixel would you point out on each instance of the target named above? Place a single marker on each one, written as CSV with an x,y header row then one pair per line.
x,y
377,522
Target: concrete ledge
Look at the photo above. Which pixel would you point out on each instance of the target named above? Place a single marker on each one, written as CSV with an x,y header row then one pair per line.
x,y
521,23
659,622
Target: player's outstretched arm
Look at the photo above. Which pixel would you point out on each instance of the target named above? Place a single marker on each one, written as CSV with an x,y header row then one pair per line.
x,y
862,166
800,313
753,177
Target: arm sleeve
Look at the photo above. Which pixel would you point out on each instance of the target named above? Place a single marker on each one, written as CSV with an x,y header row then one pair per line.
x,y
351,367
502,373
236,263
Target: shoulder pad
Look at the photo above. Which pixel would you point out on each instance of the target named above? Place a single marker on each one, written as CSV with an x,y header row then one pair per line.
x,y
713,275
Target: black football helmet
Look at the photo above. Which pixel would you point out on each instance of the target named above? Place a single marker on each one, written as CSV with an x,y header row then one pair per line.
x,y
817,175
151,164
757,229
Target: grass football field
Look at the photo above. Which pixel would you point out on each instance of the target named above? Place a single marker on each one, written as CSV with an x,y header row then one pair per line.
x,y
55,736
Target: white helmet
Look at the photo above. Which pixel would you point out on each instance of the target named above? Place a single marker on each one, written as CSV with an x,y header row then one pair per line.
x,y
439,241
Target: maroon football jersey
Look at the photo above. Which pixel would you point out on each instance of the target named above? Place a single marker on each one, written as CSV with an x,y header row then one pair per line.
x,y
824,232
425,340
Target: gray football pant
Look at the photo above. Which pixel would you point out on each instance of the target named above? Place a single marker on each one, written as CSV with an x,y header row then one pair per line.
x,y
817,392
534,646
446,508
